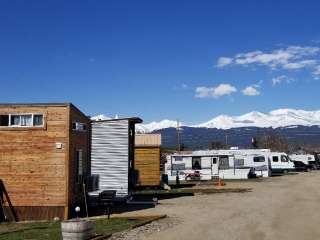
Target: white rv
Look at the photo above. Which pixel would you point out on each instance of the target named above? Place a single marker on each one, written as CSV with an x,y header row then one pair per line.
x,y
256,159
278,162
281,163
204,167
306,161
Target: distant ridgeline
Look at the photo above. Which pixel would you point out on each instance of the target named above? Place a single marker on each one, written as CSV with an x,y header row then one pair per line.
x,y
202,138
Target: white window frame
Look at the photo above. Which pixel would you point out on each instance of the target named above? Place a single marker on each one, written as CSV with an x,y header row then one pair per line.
x,y
19,126
79,124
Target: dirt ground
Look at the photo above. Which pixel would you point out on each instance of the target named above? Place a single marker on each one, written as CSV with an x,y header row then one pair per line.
x,y
286,207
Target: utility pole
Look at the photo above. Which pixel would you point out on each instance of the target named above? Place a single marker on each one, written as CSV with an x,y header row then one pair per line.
x,y
178,136
226,140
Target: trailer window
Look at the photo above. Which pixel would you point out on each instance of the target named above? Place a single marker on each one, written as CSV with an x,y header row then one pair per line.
x,y
238,162
178,158
259,159
284,158
275,159
214,160
224,163
196,163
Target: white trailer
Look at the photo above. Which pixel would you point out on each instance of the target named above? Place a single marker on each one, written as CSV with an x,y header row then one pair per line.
x,y
204,167
277,162
256,159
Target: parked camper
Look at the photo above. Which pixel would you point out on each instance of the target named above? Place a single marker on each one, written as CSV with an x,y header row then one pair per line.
x,y
258,161
278,162
248,158
281,163
304,161
112,156
204,167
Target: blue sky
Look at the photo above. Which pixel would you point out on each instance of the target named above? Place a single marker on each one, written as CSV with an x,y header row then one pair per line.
x,y
187,60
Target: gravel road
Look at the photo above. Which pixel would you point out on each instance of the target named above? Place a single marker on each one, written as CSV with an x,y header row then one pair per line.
x,y
286,207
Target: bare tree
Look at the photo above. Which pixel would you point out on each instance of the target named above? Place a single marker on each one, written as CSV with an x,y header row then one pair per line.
x,y
275,142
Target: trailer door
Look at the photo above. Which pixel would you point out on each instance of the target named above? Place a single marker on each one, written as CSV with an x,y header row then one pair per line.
x,y
214,166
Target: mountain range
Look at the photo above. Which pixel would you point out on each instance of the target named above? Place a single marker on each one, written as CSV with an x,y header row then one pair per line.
x,y
296,125
274,119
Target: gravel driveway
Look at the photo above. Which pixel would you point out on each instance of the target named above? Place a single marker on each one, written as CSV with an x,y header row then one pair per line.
x,y
286,207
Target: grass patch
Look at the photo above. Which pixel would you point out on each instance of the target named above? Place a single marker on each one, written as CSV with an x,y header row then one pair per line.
x,y
52,231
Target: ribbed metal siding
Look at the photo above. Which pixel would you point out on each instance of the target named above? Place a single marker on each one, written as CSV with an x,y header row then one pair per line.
x,y
109,155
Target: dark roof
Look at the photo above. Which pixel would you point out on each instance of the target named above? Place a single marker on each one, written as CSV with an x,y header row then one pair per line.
x,y
36,104
130,119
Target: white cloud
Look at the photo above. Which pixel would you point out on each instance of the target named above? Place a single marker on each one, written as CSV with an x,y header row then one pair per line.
x,y
279,79
289,58
251,91
299,64
316,72
215,92
224,61
184,86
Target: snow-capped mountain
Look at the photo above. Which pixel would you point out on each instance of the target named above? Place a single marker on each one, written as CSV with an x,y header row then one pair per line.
x,y
150,127
100,117
274,119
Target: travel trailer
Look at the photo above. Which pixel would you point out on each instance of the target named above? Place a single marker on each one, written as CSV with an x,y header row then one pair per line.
x,y
195,166
257,160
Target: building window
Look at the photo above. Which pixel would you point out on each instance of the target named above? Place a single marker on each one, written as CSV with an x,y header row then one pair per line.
x,y
77,126
259,159
37,120
21,120
79,159
4,120
275,159
196,163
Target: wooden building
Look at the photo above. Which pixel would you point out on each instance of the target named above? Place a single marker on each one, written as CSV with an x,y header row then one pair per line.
x,y
44,158
147,159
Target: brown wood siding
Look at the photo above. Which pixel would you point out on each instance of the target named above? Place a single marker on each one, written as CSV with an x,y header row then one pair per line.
x,y
147,163
32,169
78,140
36,213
